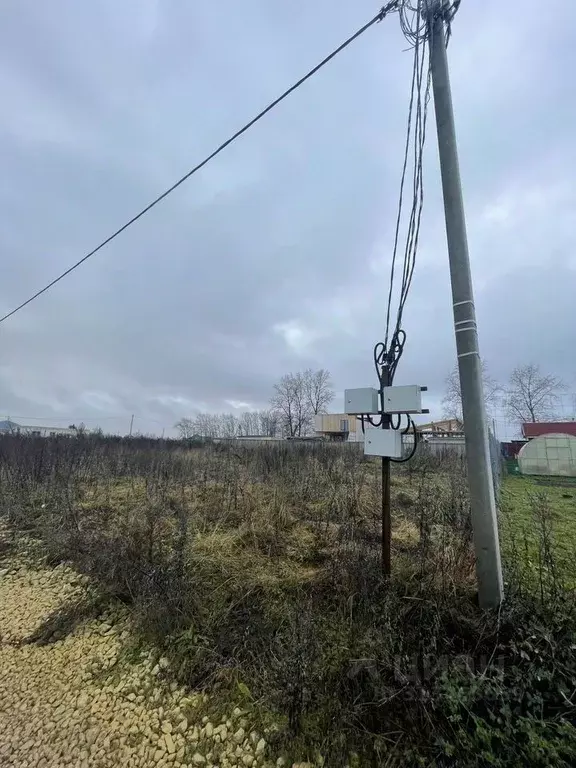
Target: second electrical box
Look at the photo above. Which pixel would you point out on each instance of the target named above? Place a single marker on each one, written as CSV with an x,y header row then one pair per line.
x,y
403,399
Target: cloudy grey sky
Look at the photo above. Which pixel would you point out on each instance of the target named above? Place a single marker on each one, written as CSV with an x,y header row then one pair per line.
x,y
275,257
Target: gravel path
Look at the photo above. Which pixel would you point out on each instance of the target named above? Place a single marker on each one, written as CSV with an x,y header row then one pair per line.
x,y
76,701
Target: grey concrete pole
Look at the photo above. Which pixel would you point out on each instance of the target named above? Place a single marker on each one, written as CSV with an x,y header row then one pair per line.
x,y
483,505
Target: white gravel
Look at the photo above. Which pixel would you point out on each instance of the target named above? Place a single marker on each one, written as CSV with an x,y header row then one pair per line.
x,y
74,702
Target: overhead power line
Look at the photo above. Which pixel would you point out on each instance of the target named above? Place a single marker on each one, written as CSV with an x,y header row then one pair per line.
x,y
391,6
414,26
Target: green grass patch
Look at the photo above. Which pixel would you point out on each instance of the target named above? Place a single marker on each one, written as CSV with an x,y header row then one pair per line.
x,y
538,524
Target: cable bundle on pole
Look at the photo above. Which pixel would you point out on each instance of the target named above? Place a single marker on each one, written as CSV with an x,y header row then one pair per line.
x,y
414,152
415,24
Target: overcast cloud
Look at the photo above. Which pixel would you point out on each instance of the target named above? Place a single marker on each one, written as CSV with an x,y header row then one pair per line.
x,y
275,257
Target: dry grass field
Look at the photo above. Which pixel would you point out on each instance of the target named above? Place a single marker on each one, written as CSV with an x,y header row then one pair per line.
x,y
255,571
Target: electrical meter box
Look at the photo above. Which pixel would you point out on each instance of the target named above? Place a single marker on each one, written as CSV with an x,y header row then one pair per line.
x,y
403,399
358,401
383,442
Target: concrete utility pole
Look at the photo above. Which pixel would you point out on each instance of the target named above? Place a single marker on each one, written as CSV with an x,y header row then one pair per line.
x,y
483,505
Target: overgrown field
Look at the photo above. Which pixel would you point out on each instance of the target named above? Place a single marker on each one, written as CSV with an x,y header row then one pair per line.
x,y
257,570
539,528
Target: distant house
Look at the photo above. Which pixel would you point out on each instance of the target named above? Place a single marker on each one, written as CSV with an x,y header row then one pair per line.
x,y
33,430
338,427
530,430
447,426
42,431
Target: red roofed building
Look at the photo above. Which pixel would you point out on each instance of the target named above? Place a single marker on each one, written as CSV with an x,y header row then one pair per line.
x,y
539,428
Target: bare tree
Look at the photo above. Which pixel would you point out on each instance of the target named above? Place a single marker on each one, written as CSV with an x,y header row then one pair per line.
x,y
185,428
228,426
452,400
532,395
290,402
208,425
318,390
268,423
248,424
283,401
258,423
298,397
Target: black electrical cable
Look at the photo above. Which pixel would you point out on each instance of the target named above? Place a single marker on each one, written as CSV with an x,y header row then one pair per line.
x,y
415,21
390,7
414,447
416,135
400,207
387,354
386,359
408,425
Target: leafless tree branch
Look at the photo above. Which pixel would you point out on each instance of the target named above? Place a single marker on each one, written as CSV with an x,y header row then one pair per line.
x,y
531,395
452,400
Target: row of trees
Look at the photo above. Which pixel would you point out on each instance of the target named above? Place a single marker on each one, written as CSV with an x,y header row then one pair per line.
x,y
297,399
529,395
227,425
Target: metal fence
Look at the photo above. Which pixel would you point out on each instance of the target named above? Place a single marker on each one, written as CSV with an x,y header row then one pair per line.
x,y
496,460
440,447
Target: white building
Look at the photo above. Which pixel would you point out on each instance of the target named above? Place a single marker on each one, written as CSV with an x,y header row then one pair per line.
x,y
34,430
